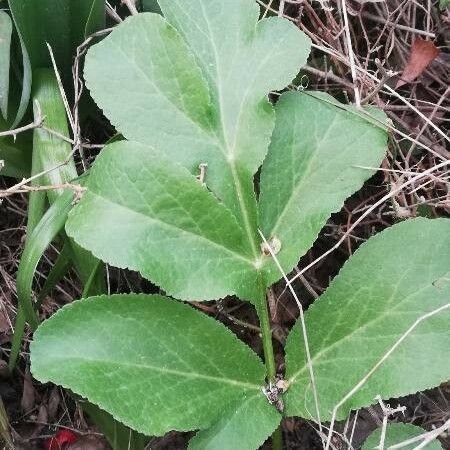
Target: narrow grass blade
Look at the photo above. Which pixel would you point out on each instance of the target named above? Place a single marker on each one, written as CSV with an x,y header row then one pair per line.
x,y
26,84
16,162
53,152
59,269
50,225
5,53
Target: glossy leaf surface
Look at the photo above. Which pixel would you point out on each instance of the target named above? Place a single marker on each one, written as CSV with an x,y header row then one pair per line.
x,y
391,281
153,363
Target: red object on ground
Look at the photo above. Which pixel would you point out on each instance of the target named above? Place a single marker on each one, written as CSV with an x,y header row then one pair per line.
x,y
61,439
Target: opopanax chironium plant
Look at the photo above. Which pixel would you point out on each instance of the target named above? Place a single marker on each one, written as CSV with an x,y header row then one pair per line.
x,y
189,92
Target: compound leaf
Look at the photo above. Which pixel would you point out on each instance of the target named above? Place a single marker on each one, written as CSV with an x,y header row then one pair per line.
x,y
155,364
311,169
147,213
195,85
397,433
391,281
245,426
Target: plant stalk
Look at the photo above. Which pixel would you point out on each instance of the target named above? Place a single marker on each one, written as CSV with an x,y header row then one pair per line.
x,y
266,335
269,358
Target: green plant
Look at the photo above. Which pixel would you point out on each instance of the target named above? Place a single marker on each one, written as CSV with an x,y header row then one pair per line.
x,y
397,433
177,203
60,27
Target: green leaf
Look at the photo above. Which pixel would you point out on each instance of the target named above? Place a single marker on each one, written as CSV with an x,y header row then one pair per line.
x,y
196,88
56,274
39,238
167,226
55,157
245,427
397,433
41,22
88,16
444,4
155,364
26,84
118,435
5,53
52,151
16,162
151,6
310,169
61,23
390,282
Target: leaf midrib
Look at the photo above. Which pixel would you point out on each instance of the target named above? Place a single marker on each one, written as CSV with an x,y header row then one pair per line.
x,y
181,374
171,226
356,330
307,176
227,151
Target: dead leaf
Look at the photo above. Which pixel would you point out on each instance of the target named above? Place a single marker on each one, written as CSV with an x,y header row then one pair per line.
x,y
29,395
5,327
41,420
421,55
54,400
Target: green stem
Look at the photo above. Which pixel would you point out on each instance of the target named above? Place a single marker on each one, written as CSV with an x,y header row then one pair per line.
x,y
266,334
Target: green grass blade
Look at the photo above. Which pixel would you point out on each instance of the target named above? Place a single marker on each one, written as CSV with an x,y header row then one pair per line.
x,y
61,23
36,209
41,237
5,53
26,83
53,151
59,269
16,162
38,241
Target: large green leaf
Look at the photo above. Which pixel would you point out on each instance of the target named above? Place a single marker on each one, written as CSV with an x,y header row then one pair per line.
x,y
245,426
390,282
397,433
5,49
310,169
195,87
155,364
119,436
144,212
